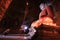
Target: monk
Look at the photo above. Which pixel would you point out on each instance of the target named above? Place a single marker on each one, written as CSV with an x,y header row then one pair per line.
x,y
45,17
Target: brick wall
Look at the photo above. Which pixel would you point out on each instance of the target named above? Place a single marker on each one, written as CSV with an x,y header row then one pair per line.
x,y
4,4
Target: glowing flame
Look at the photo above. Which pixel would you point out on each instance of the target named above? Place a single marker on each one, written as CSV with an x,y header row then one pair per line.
x,y
45,21
48,21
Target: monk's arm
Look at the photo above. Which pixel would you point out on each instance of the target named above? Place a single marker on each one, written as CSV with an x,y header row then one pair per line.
x,y
49,11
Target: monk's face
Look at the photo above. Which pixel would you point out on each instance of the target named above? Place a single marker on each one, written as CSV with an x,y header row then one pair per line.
x,y
42,6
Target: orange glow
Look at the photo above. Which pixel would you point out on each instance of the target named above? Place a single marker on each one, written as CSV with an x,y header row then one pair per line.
x,y
45,21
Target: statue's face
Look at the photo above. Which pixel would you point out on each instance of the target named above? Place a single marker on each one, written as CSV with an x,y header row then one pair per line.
x,y
42,6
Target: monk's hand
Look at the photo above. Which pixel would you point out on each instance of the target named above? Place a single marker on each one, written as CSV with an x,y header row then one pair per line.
x,y
36,24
